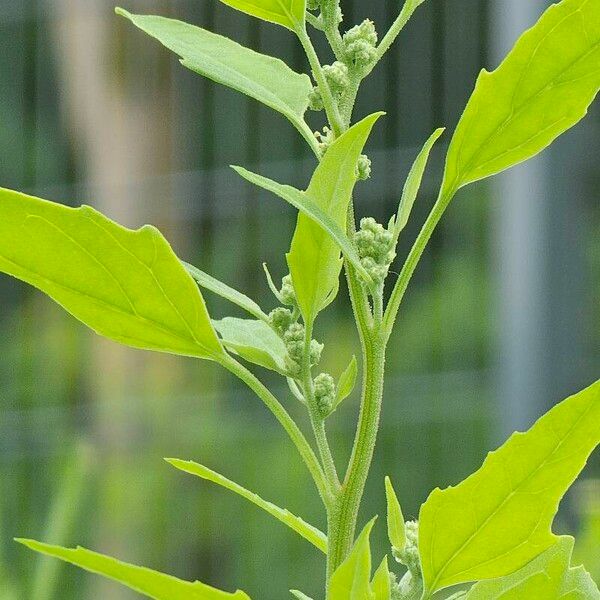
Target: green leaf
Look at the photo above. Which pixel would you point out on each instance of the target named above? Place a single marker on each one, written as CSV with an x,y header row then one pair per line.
x,y
145,581
395,518
221,289
547,577
346,382
380,585
413,183
126,285
308,206
352,579
264,78
314,258
543,87
289,13
255,341
500,518
308,532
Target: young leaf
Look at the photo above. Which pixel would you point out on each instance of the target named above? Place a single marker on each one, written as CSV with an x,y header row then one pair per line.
x,y
308,532
308,206
395,518
255,341
289,13
314,258
144,581
221,289
413,183
352,579
548,577
346,382
264,78
380,585
542,88
500,518
126,285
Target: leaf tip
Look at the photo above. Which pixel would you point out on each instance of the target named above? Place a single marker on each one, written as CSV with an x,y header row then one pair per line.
x,y
123,13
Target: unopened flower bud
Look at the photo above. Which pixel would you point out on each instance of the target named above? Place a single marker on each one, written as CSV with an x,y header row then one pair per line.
x,y
375,246
324,393
287,292
313,4
364,167
337,76
360,44
281,319
315,100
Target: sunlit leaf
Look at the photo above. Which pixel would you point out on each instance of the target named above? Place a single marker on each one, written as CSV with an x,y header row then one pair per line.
x,y
289,13
126,285
413,183
352,579
380,585
308,532
346,382
548,577
221,289
500,518
255,341
299,595
145,581
395,519
543,87
264,78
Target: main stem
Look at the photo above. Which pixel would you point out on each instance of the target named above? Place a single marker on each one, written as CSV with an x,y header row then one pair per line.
x,y
343,519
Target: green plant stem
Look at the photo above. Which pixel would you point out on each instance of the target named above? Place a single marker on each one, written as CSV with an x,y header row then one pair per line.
x,y
317,422
314,21
413,258
331,28
393,32
293,431
329,102
342,525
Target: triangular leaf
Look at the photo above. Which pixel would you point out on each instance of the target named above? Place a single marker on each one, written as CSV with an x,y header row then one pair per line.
x,y
500,518
208,282
289,13
301,527
543,87
395,518
547,577
126,285
381,586
255,341
264,78
145,581
413,183
346,382
352,579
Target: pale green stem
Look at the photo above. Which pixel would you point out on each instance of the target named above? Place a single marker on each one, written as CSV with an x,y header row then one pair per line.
x,y
331,28
329,102
314,21
317,422
397,26
414,256
293,431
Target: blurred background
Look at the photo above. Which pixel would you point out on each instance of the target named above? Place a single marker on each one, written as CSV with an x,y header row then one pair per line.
x,y
502,319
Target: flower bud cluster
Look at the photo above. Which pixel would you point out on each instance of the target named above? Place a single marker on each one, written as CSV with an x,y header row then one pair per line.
x,y
360,44
293,338
287,292
409,555
324,393
325,139
313,4
364,167
375,246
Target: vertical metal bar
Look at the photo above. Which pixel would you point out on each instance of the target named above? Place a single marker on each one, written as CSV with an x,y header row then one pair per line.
x,y
521,240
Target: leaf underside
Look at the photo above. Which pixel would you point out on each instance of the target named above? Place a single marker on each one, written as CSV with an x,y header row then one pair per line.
x,y
500,518
264,78
145,581
126,285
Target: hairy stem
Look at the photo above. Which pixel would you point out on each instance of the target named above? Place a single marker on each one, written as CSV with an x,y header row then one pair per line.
x,y
329,102
293,431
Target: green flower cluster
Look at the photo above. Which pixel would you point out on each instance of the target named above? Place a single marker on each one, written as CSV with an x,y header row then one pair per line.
x,y
325,393
375,246
410,587
360,45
